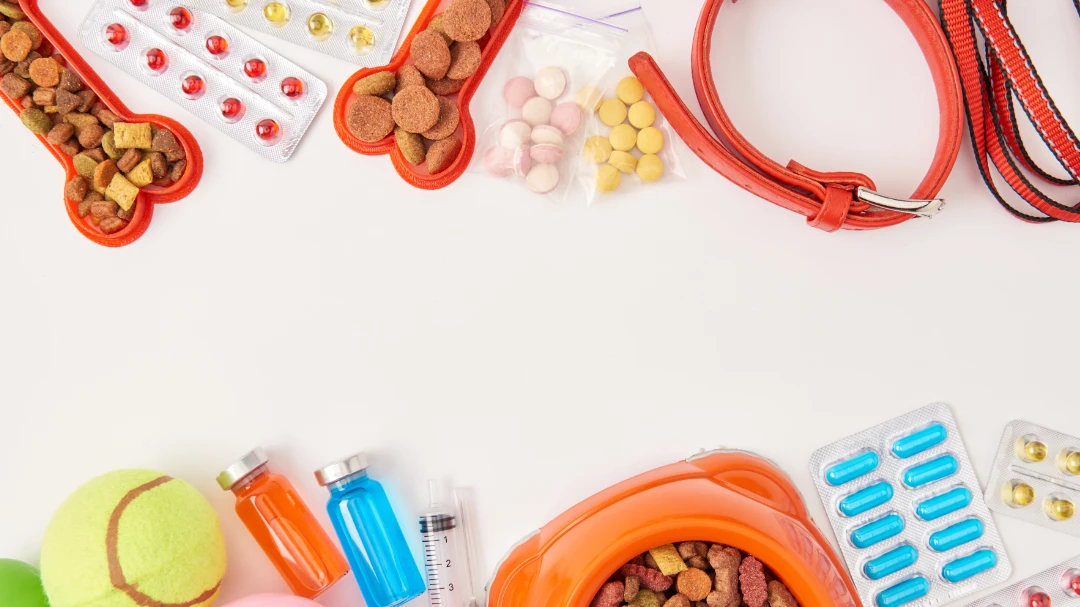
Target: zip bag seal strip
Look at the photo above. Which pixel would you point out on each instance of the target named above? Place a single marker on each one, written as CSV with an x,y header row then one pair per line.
x,y
210,80
908,513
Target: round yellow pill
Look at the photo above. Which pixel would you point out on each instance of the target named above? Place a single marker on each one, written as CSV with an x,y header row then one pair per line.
x,y
642,114
630,90
237,4
1017,495
320,26
1059,509
623,137
623,161
589,99
362,38
1069,462
650,140
276,13
612,112
1032,451
597,150
650,168
608,178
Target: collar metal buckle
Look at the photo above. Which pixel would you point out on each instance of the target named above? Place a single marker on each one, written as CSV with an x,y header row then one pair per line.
x,y
922,208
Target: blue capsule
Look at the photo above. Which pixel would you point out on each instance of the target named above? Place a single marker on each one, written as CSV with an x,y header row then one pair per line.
x,y
944,504
969,566
892,561
904,592
932,471
957,535
921,441
877,531
867,499
849,470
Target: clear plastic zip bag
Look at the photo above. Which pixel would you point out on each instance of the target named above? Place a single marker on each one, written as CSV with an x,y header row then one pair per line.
x,y
540,141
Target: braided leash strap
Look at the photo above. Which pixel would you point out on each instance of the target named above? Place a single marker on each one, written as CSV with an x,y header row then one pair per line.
x,y
991,84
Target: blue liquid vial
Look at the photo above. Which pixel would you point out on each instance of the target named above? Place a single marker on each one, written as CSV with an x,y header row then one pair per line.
x,y
370,534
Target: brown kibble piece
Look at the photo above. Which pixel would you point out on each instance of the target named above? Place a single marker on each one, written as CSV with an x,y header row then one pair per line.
x,y
22,70
370,118
30,30
445,86
158,165
128,161
464,60
27,102
609,595
76,189
84,205
16,45
166,143
702,549
430,54
112,225
698,562
79,120
87,99
436,25
411,145
66,101
107,118
70,147
178,170
104,173
498,9
6,66
415,109
45,72
725,562
97,154
466,20
5,27
686,549
101,209
632,584
650,562
13,86
127,214
448,121
694,583
755,590
90,136
408,76
780,596
677,601
60,133
442,154
70,82
378,84
44,96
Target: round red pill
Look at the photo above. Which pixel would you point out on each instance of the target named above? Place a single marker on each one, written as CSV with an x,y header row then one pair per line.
x,y
217,45
232,108
268,130
116,34
255,68
1074,584
157,60
1038,599
193,85
139,3
180,17
293,88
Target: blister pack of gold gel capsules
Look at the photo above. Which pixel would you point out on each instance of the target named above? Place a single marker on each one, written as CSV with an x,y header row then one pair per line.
x,y
364,32
1056,587
1036,477
209,67
908,512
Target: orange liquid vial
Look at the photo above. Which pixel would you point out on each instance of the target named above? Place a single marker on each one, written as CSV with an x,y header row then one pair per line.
x,y
284,527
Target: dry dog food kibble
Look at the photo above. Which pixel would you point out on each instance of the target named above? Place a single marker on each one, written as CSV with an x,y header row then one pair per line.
x,y
694,574
105,151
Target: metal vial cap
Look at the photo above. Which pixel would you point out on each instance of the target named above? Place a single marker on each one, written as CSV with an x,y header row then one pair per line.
x,y
235,473
331,473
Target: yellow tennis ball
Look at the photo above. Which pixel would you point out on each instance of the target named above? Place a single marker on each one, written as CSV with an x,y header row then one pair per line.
x,y
608,178
133,538
650,140
650,168
642,114
612,112
630,90
623,138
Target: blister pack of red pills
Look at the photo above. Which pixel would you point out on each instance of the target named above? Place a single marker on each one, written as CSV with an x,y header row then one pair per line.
x,y
118,164
209,67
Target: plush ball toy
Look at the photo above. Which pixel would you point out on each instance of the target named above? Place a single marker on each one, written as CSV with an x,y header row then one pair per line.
x,y
20,585
272,600
133,538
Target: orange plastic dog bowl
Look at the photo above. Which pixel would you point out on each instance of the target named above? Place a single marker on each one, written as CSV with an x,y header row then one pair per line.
x,y
726,497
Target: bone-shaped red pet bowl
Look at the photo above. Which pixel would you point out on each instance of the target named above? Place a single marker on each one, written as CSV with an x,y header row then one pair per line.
x,y
150,195
418,175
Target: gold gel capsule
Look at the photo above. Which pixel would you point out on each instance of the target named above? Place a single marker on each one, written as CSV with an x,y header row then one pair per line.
x,y
1069,462
237,5
1031,450
362,38
320,26
1018,495
276,13
1059,509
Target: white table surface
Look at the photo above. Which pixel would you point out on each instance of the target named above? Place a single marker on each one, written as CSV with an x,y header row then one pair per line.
x,y
536,352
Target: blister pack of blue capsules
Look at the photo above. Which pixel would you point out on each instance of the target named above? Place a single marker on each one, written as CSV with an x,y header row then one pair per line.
x,y
908,512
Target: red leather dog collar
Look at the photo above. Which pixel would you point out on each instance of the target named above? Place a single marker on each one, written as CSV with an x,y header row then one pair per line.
x,y
989,89
833,200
